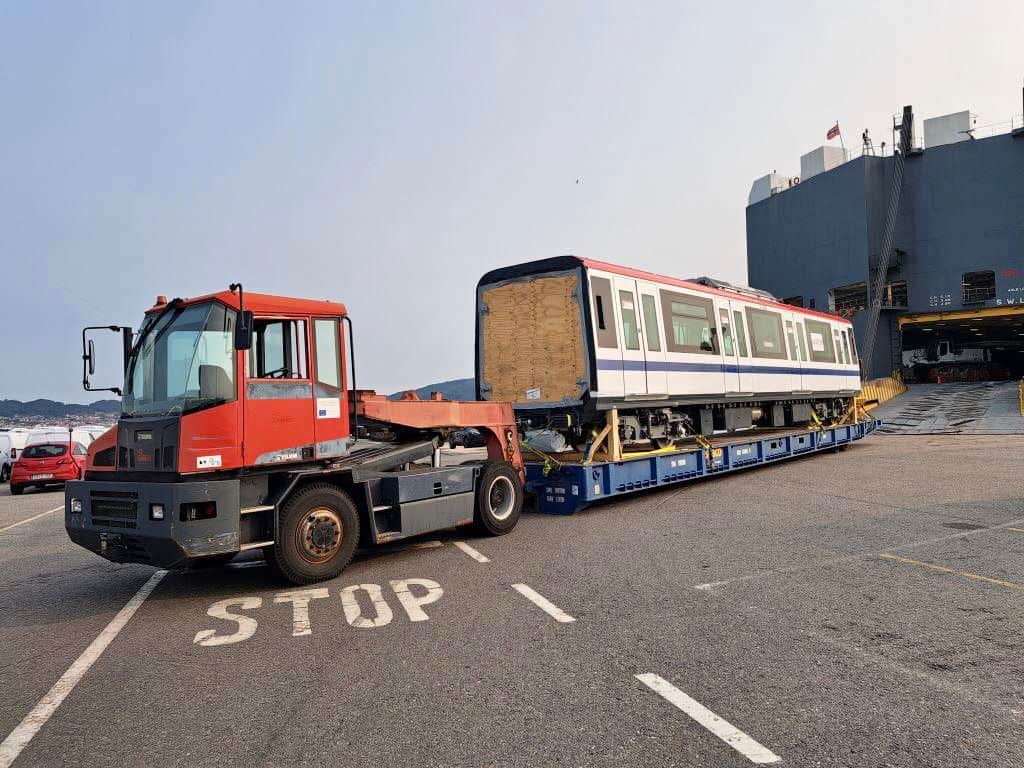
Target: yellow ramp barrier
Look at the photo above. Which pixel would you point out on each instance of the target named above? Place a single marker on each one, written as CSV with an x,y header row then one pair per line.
x,y
877,391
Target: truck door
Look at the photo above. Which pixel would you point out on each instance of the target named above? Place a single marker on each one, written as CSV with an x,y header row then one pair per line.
x,y
634,363
650,338
278,411
730,355
330,405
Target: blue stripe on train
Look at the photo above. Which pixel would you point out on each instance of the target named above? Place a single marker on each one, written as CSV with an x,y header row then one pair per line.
x,y
662,365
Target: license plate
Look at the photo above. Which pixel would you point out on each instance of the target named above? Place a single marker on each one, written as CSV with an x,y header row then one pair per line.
x,y
42,477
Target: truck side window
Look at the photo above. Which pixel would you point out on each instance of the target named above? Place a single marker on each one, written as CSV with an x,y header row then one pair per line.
x,y
278,350
328,357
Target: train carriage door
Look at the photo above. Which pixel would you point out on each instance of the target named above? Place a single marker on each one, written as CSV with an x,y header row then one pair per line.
x,y
730,356
742,346
650,338
634,362
801,344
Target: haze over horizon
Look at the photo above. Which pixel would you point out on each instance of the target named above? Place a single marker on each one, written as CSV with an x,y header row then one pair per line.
x,y
387,156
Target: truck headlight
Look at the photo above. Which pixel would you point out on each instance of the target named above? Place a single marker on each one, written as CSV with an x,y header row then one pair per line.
x,y
156,511
76,506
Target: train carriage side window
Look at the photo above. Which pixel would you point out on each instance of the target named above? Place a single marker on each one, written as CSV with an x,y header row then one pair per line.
x,y
650,322
604,321
627,308
689,323
793,354
723,315
766,334
801,341
853,345
846,348
843,360
819,339
741,333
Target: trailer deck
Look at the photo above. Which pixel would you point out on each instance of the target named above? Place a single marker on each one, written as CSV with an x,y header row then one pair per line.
x,y
566,483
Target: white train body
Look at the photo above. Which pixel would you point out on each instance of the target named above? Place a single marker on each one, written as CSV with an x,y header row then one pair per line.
x,y
596,336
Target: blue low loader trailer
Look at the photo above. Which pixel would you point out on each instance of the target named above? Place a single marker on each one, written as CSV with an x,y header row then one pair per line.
x,y
566,483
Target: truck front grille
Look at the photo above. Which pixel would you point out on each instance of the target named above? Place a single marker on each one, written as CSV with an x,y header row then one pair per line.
x,y
115,509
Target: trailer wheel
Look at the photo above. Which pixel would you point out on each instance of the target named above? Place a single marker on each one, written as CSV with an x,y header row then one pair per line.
x,y
499,498
318,535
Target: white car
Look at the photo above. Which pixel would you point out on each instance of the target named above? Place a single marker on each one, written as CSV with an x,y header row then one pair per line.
x,y
12,442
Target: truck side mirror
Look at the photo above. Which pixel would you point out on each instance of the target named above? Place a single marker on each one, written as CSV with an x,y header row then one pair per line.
x,y
243,330
89,355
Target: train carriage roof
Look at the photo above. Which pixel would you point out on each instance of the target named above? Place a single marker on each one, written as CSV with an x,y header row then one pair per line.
x,y
565,263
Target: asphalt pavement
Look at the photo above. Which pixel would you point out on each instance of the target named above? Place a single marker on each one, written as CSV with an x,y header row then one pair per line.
x,y
861,608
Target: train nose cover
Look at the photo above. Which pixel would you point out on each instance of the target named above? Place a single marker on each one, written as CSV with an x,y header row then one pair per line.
x,y
121,521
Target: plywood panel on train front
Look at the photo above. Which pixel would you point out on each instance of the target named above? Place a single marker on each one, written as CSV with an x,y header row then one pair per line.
x,y
532,340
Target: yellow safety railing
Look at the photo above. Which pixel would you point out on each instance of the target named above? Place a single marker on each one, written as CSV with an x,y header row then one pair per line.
x,y
877,391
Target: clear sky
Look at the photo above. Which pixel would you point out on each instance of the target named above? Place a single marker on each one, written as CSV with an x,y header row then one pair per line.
x,y
387,154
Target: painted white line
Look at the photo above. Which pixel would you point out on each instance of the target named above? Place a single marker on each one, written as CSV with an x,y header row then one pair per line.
x,y
36,719
728,733
543,603
34,517
480,558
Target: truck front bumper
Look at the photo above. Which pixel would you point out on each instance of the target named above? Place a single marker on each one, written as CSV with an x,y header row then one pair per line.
x,y
119,520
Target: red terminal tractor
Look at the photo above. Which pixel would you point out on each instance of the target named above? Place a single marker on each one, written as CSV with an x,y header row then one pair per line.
x,y
241,429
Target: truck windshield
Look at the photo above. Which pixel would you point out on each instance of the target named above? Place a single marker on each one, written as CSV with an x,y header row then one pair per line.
x,y
183,361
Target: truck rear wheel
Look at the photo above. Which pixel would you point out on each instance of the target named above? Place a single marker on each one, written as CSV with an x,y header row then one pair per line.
x,y
499,498
318,535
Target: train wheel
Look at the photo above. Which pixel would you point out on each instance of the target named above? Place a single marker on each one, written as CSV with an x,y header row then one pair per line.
x,y
499,498
661,442
318,535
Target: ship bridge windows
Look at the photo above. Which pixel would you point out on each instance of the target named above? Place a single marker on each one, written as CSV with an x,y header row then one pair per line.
x,y
979,286
689,324
766,334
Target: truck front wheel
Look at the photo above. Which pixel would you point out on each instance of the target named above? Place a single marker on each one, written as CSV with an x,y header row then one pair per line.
x,y
318,535
499,498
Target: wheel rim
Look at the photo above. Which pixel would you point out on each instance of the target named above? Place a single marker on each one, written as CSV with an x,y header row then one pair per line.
x,y
320,533
501,498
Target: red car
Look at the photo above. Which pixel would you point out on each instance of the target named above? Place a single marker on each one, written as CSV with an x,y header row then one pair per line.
x,y
47,464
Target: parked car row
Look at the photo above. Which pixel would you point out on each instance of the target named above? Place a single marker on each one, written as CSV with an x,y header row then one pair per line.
x,y
45,455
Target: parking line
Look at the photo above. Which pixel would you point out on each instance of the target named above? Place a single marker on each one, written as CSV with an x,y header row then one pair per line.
x,y
541,602
1016,530
20,737
730,734
965,574
480,558
30,519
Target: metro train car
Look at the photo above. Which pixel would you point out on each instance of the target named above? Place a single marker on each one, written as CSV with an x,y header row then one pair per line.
x,y
566,339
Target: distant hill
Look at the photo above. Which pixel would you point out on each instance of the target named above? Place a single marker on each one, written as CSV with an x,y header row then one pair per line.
x,y
56,409
456,389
